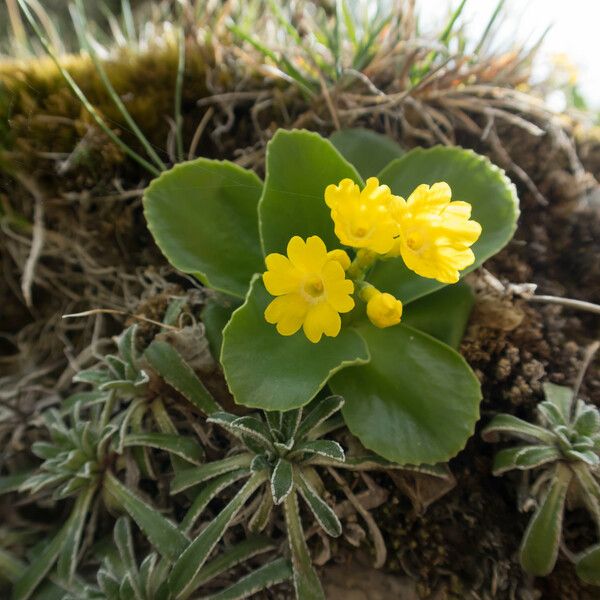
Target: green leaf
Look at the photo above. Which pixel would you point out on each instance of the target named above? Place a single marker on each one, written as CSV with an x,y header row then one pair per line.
x,y
562,398
323,513
189,563
169,541
259,579
11,483
474,179
327,448
40,566
524,457
588,565
587,422
443,315
300,165
282,480
203,217
234,555
185,447
283,372
11,567
207,493
67,559
253,428
169,364
317,413
367,150
539,548
515,427
417,401
215,315
187,478
306,581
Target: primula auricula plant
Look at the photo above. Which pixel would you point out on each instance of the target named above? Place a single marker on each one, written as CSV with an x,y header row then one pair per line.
x,y
563,450
343,282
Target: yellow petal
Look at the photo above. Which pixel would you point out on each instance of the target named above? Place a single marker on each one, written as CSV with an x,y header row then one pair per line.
x,y
433,198
281,276
339,256
287,312
321,319
309,256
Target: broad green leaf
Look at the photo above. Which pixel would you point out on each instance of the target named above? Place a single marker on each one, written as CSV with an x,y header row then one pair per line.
x,y
266,370
417,401
474,179
306,580
188,478
180,445
234,555
215,315
300,165
541,541
323,513
169,364
514,427
189,563
169,541
203,217
207,493
40,566
282,480
588,565
259,579
367,150
443,315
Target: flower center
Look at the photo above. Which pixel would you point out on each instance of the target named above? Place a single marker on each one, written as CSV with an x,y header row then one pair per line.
x,y
414,241
313,286
359,231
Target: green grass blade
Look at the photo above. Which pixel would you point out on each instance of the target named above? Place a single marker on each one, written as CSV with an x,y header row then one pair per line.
x,y
81,96
488,27
114,96
178,94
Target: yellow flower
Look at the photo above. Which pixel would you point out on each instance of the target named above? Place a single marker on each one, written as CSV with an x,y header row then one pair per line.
x,y
383,309
363,219
311,289
435,233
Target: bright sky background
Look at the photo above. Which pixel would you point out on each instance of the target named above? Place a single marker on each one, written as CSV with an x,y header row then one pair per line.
x,y
575,31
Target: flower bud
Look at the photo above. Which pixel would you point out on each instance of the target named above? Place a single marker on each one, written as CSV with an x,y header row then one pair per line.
x,y
383,309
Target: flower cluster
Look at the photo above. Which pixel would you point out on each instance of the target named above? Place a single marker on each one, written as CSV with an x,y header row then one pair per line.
x,y
431,233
